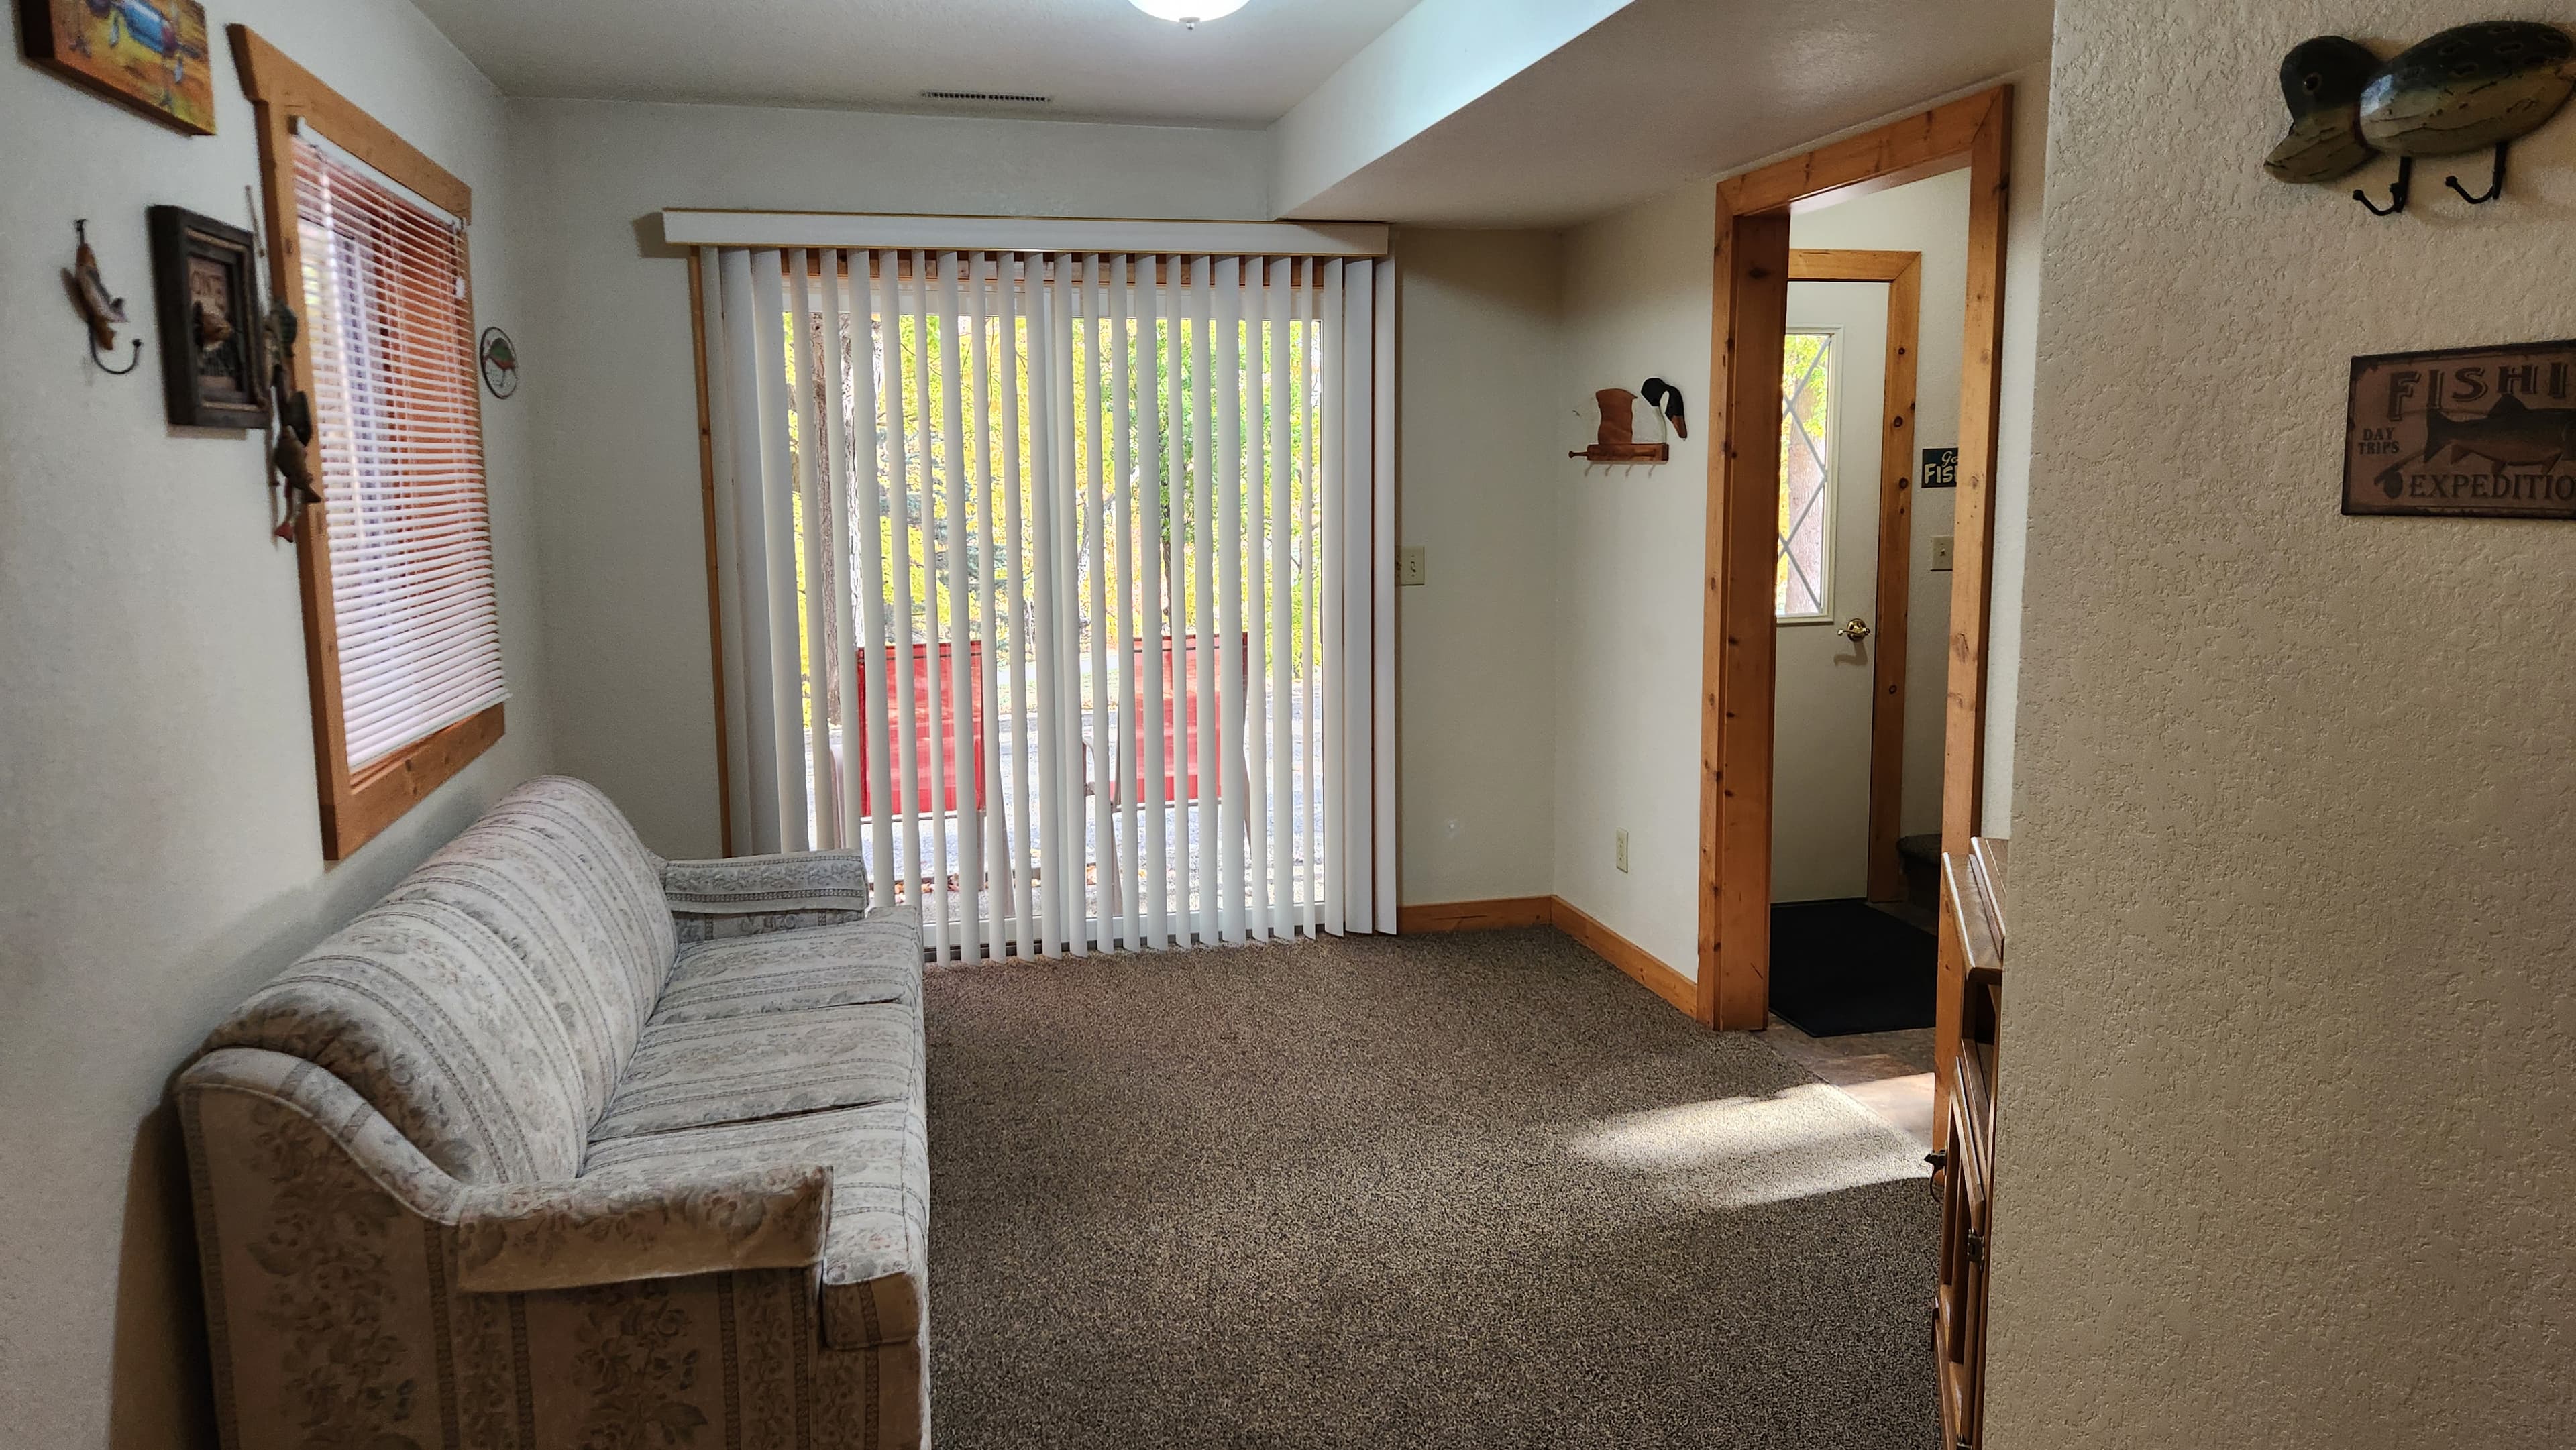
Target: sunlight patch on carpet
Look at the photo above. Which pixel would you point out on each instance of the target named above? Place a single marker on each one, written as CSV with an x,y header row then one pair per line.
x,y
1737,1152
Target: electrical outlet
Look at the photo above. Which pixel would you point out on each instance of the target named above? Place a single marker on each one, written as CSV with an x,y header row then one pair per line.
x,y
1941,551
1623,850
1412,565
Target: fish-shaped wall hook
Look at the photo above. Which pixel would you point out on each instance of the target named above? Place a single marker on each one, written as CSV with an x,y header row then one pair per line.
x,y
103,312
2465,89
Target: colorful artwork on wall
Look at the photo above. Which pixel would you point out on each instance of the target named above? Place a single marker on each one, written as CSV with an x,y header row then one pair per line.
x,y
149,54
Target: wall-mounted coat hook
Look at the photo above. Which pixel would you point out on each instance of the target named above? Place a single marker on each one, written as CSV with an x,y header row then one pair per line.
x,y
104,313
2396,194
2495,180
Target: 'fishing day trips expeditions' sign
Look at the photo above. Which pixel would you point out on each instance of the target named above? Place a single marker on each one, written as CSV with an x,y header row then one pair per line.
x,y
2473,432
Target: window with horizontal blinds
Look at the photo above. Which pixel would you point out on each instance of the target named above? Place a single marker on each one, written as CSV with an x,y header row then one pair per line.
x,y
389,335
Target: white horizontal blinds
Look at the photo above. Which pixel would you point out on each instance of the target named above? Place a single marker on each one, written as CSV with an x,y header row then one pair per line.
x,y
1086,652
390,334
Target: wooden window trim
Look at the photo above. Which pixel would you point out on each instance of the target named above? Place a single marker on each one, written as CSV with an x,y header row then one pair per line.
x,y
355,808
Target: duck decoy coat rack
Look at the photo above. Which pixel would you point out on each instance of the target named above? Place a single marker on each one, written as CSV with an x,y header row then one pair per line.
x,y
2469,88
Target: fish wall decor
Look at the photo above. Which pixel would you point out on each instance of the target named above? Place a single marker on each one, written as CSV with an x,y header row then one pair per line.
x,y
2472,432
2469,88
102,313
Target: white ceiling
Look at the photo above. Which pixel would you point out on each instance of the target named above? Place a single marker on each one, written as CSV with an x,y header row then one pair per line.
x,y
1097,58
1669,90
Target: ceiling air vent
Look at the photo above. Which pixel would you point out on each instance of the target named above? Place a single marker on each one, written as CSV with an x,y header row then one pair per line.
x,y
1011,96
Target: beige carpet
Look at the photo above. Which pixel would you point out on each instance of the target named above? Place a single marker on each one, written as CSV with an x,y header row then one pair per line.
x,y
1474,1190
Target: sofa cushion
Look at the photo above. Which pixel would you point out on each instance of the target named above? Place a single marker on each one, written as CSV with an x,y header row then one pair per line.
x,y
877,960
432,1017
553,869
737,1069
876,1251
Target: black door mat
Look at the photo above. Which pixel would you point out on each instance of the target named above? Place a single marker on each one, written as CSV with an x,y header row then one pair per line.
x,y
1840,967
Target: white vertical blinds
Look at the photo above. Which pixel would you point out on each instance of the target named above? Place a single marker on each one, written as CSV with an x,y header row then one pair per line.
x,y
1061,584
389,330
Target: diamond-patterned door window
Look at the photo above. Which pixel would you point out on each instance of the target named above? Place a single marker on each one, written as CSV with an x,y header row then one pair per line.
x,y
1799,590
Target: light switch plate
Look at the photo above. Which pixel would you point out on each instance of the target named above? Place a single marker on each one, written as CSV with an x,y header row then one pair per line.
x,y
1412,565
1941,550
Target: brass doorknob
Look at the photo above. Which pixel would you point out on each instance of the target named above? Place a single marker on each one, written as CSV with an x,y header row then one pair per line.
x,y
1856,631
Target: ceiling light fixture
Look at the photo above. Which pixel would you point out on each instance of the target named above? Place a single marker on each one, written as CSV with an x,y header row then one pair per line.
x,y
1188,12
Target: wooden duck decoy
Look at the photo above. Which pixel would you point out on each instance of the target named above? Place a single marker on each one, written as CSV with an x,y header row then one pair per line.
x,y
2467,88
2321,82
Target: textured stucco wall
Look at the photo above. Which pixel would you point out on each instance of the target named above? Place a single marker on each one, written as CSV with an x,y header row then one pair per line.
x,y
2290,1032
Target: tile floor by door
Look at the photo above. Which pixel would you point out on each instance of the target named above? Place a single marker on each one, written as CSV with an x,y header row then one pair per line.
x,y
1889,1073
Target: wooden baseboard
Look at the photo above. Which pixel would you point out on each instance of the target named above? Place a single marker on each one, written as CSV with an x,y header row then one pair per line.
x,y
1556,911
1627,956
1495,915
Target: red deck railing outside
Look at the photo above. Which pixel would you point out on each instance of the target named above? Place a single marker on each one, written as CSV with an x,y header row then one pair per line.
x,y
1180,721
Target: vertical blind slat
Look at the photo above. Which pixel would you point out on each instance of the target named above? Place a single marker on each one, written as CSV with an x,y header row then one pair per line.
x,y
908,339
1015,670
813,464
990,861
1231,819
883,419
1278,517
1124,636
951,681
1156,641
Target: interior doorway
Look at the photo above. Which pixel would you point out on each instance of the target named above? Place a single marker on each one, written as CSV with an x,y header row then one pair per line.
x,y
1853,962
1842,585
1739,732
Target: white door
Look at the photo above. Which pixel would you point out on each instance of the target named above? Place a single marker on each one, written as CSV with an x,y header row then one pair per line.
x,y
1834,389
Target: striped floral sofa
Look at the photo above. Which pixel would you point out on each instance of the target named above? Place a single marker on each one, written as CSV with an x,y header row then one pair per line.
x,y
564,1145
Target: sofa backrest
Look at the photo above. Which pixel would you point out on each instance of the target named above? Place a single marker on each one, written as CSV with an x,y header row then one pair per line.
x,y
487,1006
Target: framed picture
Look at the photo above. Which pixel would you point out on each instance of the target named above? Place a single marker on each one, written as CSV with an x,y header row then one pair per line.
x,y
213,361
149,54
2463,432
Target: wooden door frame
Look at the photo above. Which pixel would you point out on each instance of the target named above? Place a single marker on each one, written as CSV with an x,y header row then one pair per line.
x,y
1738,652
1902,272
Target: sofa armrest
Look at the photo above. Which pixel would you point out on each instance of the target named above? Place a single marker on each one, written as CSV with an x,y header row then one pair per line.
x,y
521,1236
743,895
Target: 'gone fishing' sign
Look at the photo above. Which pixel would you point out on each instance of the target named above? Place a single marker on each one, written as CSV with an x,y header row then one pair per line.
x,y
2473,432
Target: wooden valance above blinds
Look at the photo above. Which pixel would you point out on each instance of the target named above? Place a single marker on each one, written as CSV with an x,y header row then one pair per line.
x,y
688,228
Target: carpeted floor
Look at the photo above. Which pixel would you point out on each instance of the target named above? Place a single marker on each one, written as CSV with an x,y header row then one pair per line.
x,y
1473,1190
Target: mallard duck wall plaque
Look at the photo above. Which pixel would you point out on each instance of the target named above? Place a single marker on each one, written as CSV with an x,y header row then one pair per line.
x,y
2466,89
